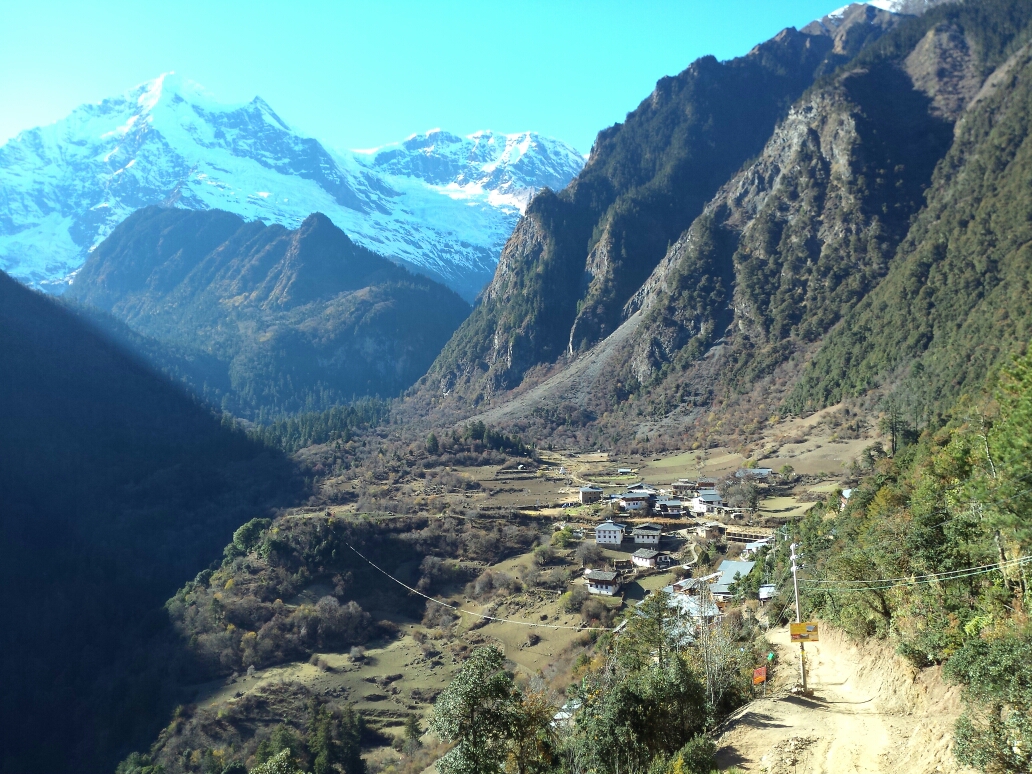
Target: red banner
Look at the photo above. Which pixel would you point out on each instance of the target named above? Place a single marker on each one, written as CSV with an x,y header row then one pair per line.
x,y
759,675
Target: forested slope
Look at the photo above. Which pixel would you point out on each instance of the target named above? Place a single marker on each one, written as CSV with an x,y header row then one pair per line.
x,y
882,220
811,229
958,297
933,553
116,485
279,321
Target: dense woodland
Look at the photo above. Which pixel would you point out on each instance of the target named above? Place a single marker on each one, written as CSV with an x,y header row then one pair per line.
x,y
959,497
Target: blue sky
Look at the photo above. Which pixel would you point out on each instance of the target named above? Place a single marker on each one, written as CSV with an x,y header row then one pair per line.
x,y
360,74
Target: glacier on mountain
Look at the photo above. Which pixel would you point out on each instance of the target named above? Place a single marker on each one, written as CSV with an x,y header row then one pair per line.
x,y
440,203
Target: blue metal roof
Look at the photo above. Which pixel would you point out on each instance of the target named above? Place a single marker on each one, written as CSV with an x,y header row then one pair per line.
x,y
728,569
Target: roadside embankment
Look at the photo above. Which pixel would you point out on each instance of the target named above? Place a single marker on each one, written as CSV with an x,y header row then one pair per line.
x,y
871,711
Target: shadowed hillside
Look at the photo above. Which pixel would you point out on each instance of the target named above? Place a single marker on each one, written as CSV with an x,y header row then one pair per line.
x,y
116,485
285,321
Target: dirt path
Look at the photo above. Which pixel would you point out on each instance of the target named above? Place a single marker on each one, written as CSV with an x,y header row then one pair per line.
x,y
870,713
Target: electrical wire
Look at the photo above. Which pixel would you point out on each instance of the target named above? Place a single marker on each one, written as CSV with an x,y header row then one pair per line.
x,y
470,612
911,578
898,582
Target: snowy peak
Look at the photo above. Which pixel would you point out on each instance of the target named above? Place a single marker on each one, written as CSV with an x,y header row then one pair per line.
x,y
440,203
911,7
509,166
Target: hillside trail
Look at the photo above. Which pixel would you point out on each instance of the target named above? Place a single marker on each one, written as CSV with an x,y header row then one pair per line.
x,y
870,712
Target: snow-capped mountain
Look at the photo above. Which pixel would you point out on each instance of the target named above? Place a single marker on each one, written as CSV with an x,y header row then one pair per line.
x,y
440,203
913,7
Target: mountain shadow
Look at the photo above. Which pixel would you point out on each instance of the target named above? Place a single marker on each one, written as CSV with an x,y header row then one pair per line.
x,y
116,486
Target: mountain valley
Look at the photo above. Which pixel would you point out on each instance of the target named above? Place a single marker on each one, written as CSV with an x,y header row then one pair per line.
x,y
469,455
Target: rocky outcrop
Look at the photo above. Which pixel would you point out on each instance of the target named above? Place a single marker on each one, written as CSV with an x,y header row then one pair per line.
x,y
801,234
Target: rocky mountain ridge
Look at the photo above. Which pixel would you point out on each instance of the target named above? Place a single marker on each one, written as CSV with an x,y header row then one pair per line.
x,y
578,257
284,320
441,204
784,256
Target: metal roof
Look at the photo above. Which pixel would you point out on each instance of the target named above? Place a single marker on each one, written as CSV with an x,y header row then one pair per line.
x,y
728,569
601,576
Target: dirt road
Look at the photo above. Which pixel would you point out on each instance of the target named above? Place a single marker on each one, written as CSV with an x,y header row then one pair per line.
x,y
871,712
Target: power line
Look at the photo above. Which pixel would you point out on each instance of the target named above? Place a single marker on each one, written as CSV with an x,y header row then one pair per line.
x,y
889,583
470,612
910,578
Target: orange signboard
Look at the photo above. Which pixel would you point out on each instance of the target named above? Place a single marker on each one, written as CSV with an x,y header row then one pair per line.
x,y
759,675
804,632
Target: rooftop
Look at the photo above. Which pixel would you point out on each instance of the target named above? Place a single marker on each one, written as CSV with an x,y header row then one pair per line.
x,y
696,607
728,569
646,529
601,576
646,553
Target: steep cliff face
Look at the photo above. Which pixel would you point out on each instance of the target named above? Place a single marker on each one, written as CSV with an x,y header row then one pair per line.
x,y
800,238
579,256
849,236
802,234
296,319
827,242
956,301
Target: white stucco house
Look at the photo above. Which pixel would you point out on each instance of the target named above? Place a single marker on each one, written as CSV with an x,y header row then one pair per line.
x,y
603,582
647,534
609,533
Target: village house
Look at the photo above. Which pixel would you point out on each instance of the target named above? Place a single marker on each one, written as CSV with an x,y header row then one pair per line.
x,y
767,592
691,597
709,530
636,502
644,557
602,582
590,494
683,487
747,535
751,549
669,507
647,534
689,487
707,501
609,533
728,569
844,498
